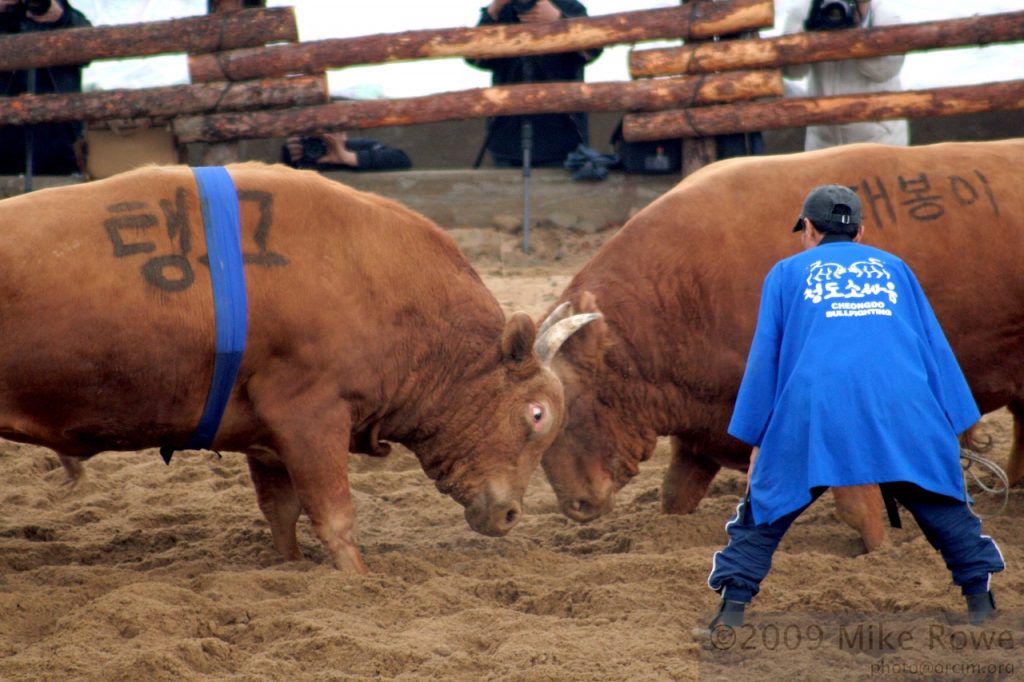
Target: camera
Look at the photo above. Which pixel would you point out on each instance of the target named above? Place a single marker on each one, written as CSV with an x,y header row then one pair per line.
x,y
522,6
13,16
829,15
36,7
312,149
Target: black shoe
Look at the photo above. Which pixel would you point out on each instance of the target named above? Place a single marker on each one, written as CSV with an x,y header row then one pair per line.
x,y
730,613
980,607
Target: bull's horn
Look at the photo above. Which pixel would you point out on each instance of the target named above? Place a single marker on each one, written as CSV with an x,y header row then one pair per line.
x,y
548,343
558,314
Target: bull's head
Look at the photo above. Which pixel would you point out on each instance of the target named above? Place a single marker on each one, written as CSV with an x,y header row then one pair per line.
x,y
517,410
598,450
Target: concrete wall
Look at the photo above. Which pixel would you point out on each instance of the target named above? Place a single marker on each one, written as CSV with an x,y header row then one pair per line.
x,y
454,144
444,186
496,197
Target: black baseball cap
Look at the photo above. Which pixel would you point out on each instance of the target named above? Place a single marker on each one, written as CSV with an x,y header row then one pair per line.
x,y
833,204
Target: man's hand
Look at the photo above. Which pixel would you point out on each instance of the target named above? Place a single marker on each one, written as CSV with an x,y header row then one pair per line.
x,y
41,12
494,9
53,12
336,152
542,13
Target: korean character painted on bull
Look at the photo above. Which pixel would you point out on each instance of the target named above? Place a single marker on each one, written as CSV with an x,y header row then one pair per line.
x,y
342,319
678,289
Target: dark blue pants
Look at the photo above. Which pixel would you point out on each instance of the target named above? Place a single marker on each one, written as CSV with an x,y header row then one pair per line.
x,y
948,524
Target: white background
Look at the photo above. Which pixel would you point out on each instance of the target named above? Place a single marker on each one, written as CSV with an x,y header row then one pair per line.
x,y
319,19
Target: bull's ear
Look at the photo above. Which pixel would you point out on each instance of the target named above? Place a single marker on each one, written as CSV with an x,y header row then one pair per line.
x,y
591,340
517,339
587,303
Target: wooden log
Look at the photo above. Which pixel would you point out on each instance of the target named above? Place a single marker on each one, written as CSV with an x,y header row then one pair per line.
x,y
212,33
164,102
227,152
819,46
697,152
533,98
791,113
484,42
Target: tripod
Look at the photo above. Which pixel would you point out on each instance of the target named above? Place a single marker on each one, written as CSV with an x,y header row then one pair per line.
x,y
526,137
527,141
29,135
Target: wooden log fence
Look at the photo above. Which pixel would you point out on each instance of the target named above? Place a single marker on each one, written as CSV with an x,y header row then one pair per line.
x,y
684,106
791,113
818,46
210,33
256,26
535,98
697,19
165,102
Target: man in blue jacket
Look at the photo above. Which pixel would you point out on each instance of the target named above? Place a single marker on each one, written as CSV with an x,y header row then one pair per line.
x,y
849,381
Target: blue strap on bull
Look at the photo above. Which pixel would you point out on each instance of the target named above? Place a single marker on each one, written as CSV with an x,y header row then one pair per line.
x,y
222,224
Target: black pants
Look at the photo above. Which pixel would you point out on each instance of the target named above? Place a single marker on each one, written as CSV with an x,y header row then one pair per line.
x,y
948,524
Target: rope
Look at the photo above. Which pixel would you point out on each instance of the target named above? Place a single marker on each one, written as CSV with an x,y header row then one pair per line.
x,y
970,458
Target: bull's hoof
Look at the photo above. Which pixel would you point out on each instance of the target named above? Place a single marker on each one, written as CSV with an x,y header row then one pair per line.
x,y
672,503
873,543
74,469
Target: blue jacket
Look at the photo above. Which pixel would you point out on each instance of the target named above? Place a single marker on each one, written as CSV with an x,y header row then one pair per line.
x,y
850,380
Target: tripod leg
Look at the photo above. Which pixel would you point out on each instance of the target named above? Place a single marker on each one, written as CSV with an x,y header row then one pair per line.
x,y
527,160
29,137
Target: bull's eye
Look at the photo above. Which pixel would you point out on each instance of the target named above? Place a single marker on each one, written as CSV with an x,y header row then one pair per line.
x,y
537,416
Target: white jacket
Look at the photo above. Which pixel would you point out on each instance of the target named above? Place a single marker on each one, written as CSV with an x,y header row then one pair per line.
x,y
878,74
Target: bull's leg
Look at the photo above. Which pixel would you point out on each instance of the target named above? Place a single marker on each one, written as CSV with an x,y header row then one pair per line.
x,y
319,473
73,468
860,506
1015,464
279,503
686,481
311,431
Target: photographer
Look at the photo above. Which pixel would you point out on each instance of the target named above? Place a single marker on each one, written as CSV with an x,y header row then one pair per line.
x,y
878,74
53,144
338,151
554,135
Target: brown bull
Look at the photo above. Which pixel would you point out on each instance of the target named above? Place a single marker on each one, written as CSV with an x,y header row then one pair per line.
x,y
365,323
679,289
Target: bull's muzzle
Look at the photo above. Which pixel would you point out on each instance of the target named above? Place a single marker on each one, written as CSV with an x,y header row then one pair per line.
x,y
586,508
493,514
581,497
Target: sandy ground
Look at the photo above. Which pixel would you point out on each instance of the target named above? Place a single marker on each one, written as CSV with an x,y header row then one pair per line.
x,y
150,572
